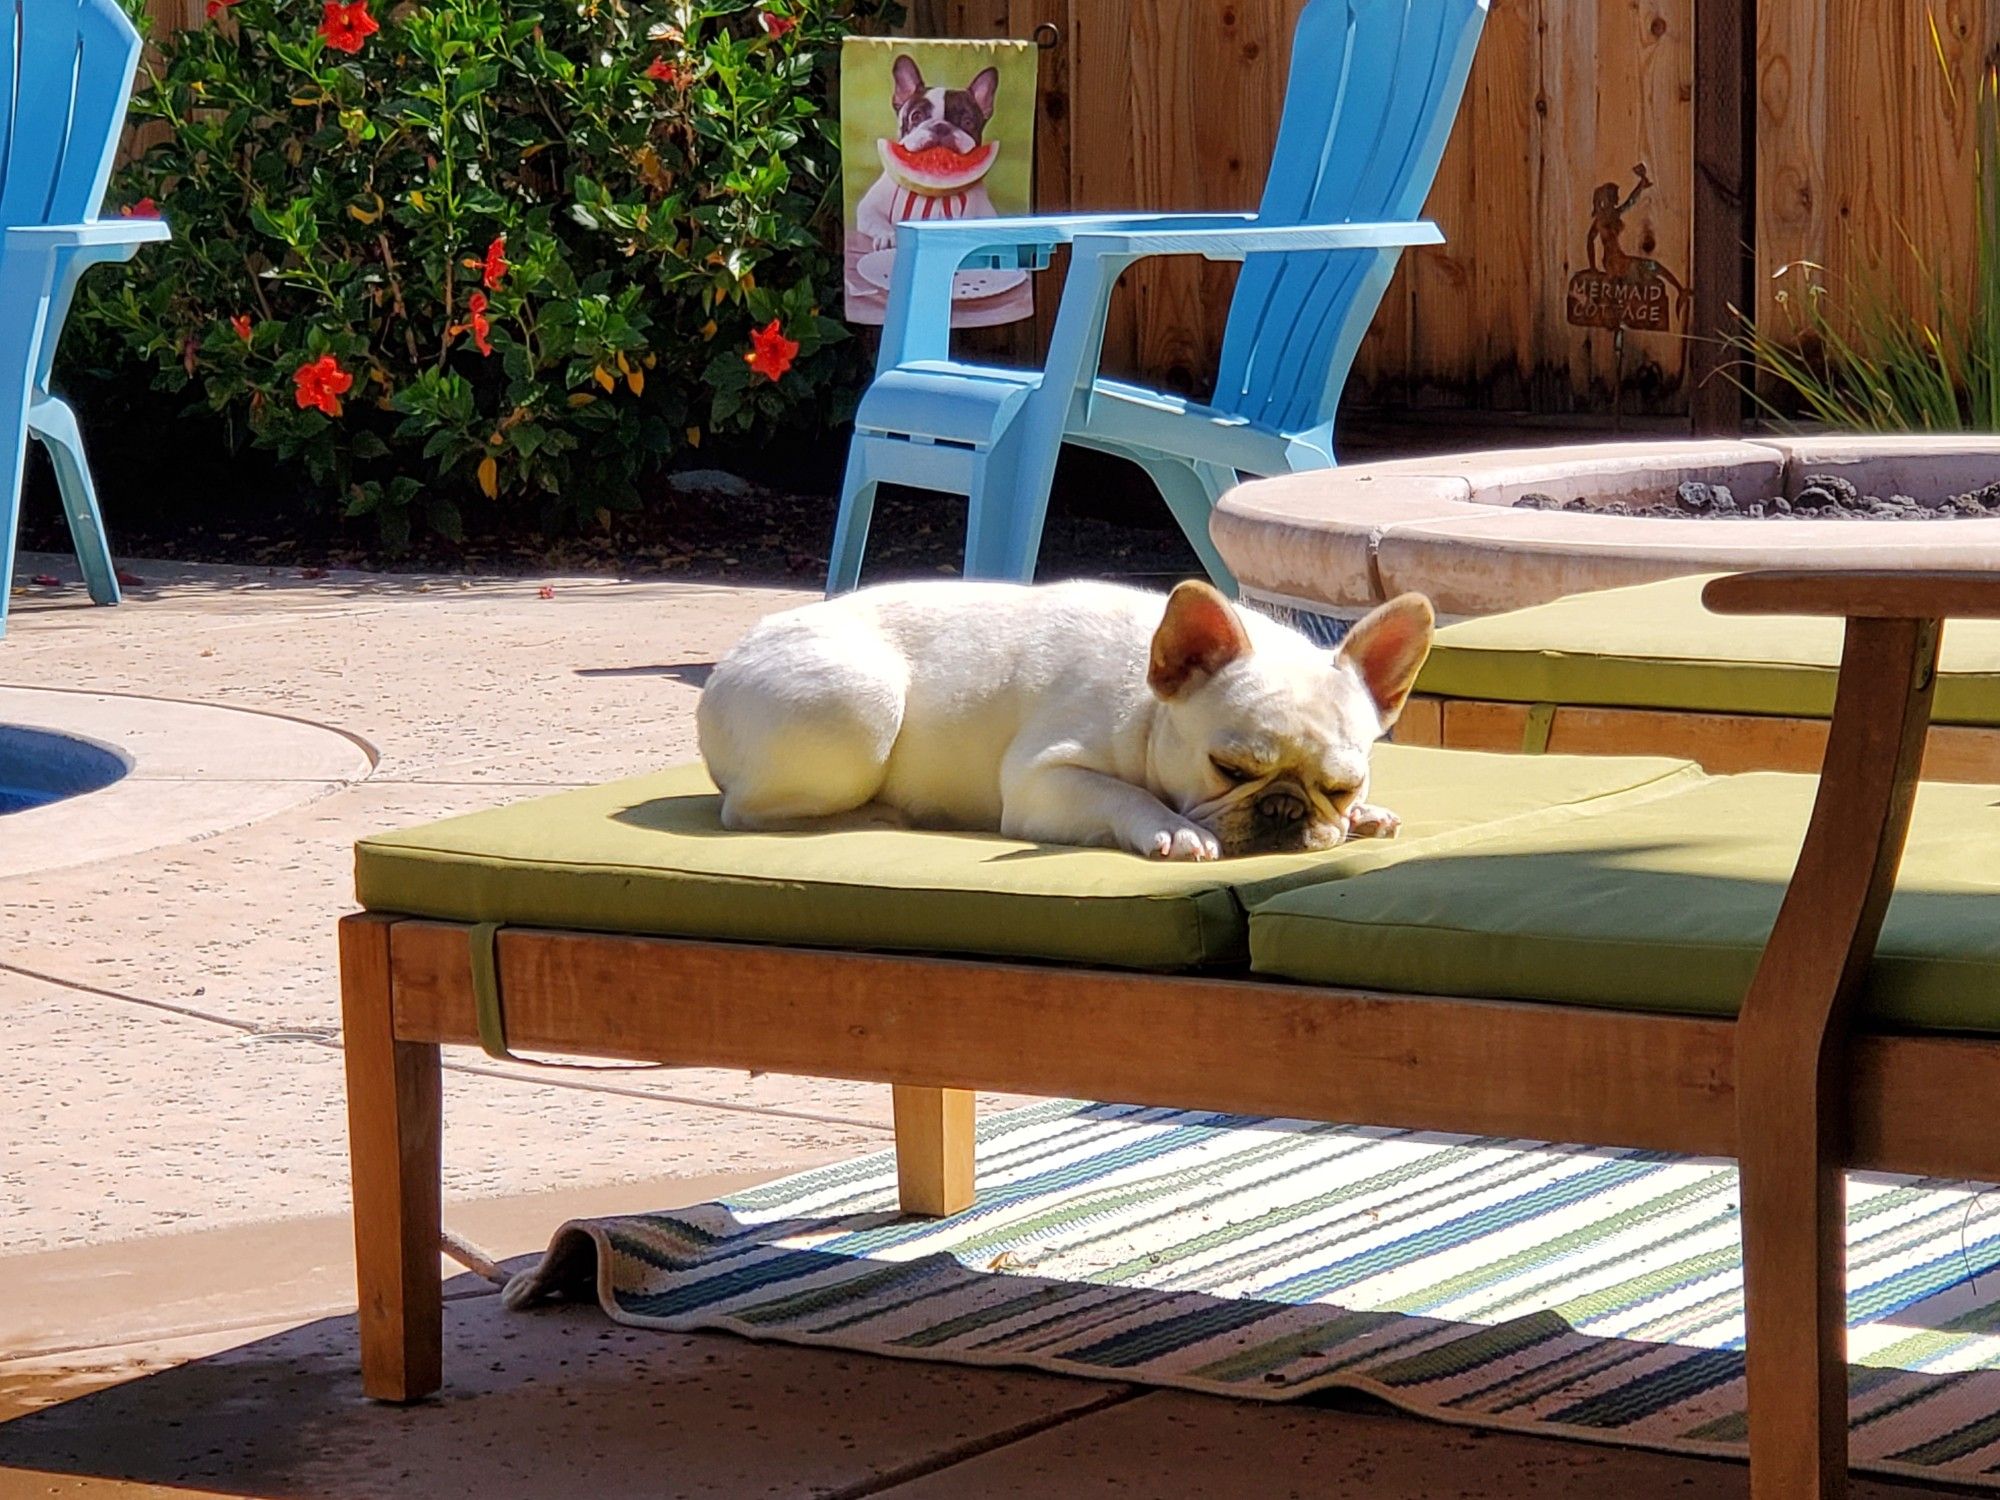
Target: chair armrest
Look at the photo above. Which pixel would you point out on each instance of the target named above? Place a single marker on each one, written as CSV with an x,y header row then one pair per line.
x,y
1041,233
929,253
102,232
1936,595
1234,242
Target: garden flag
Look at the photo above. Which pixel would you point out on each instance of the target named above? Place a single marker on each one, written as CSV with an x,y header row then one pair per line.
x,y
934,130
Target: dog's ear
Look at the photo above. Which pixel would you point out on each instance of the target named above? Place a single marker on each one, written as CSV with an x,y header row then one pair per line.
x,y
983,89
1388,649
909,80
1199,636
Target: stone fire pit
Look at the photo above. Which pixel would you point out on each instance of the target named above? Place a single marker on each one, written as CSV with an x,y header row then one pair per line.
x,y
1335,543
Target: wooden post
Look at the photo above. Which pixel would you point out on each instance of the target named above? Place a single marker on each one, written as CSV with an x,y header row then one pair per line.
x,y
1791,1065
933,1150
394,1120
1725,204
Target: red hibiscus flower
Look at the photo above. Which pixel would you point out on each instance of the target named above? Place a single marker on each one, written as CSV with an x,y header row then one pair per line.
x,y
241,323
496,262
347,26
662,71
217,7
145,208
775,24
771,353
476,322
320,383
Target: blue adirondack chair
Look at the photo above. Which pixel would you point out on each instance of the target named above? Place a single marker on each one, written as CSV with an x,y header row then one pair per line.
x,y
1375,85
66,71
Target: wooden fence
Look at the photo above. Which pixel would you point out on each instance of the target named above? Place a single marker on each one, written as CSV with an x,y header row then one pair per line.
x,y
1868,126
1868,122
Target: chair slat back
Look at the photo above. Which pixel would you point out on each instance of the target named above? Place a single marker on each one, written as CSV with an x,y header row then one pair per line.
x,y
1375,86
65,79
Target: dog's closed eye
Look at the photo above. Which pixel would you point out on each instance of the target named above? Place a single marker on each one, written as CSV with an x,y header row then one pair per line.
x,y
1234,774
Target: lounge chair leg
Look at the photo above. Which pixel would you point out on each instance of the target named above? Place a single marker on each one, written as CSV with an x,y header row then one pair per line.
x,y
51,420
1794,1283
1191,491
850,531
394,1119
1791,1065
933,1150
1003,523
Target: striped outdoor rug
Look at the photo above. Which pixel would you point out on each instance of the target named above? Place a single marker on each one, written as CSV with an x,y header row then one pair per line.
x,y
1566,1289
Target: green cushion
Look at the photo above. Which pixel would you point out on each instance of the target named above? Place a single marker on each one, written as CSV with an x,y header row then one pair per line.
x,y
650,856
1660,904
1655,646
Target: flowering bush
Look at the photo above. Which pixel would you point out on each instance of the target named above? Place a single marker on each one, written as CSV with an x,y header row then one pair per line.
x,y
457,252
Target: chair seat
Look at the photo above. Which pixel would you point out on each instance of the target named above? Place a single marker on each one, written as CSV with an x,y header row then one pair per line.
x,y
1653,904
1124,416
972,405
944,401
1655,646
650,856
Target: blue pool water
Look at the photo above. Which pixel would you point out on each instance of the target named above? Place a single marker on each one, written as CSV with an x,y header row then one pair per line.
x,y
37,767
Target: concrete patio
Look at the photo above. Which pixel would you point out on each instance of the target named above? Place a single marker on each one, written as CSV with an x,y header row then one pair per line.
x,y
178,1315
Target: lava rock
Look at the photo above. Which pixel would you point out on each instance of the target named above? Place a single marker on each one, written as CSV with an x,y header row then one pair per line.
x,y
1836,485
1823,497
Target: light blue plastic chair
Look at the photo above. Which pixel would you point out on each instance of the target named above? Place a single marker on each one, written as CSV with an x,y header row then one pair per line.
x,y
1375,85
66,71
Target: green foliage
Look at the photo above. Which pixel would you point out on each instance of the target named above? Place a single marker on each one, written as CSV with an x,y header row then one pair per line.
x,y
1860,361
535,237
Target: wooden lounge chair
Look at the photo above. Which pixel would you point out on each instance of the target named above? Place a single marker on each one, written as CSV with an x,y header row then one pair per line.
x,y
1419,984
1647,670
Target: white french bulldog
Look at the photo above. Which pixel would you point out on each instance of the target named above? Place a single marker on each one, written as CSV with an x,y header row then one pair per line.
x,y
1071,713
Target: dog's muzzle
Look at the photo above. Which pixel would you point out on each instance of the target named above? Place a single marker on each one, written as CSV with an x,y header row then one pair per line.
x,y
1276,820
1281,808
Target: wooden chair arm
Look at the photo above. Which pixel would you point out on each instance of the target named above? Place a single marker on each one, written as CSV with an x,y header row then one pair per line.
x,y
1938,595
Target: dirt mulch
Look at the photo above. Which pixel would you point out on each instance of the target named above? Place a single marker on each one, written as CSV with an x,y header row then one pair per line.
x,y
733,531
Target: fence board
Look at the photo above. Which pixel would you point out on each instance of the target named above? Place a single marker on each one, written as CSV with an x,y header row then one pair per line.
x,y
1945,51
1792,185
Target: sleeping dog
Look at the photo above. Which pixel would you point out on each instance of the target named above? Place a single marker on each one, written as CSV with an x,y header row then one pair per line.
x,y
1075,713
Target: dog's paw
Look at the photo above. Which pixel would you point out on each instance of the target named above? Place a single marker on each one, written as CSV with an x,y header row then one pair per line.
x,y
1367,821
1181,841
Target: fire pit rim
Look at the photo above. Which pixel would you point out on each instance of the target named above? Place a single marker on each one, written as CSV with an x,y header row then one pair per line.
x,y
1339,541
